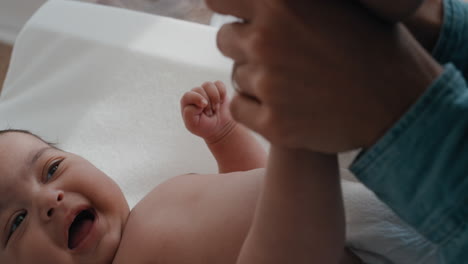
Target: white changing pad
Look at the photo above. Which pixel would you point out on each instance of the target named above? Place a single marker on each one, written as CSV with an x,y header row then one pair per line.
x,y
105,83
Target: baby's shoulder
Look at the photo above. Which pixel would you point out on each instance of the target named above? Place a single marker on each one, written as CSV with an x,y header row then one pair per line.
x,y
150,237
139,242
152,229
158,226
180,219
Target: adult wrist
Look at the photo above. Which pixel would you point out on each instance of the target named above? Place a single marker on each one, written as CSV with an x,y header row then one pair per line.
x,y
393,11
426,23
422,152
414,71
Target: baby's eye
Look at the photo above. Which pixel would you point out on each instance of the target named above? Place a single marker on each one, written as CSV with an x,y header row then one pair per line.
x,y
16,223
52,169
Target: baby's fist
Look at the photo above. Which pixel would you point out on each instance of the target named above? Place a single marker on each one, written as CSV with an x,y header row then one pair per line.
x,y
205,110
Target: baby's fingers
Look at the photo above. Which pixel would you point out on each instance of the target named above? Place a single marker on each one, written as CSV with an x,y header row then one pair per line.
x,y
193,98
191,116
221,89
213,94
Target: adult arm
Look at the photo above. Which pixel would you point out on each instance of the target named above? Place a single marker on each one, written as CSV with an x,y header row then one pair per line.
x,y
441,26
419,168
423,157
393,11
299,216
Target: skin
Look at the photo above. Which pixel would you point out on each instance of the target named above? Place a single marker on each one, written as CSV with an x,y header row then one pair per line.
x,y
393,11
223,218
47,198
215,218
326,76
426,22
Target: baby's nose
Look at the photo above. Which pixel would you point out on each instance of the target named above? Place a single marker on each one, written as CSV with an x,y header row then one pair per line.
x,y
50,201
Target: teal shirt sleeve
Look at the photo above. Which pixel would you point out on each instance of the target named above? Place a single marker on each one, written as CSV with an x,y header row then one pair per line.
x,y
452,45
420,166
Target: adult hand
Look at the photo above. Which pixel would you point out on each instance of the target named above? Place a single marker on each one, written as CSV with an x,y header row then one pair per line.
x,y
323,75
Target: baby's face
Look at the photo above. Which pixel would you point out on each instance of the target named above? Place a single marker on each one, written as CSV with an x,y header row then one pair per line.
x,y
55,207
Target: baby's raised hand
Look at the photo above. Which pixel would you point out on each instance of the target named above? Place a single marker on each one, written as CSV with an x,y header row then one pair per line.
x,y
205,111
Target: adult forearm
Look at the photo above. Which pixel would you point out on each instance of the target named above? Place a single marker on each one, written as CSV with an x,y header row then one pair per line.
x,y
419,167
393,11
412,71
425,24
299,217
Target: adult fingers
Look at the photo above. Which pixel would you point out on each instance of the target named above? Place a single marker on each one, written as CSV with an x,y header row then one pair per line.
x,y
229,40
244,79
247,112
238,8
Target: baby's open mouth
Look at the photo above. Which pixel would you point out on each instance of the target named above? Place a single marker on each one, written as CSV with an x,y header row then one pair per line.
x,y
80,228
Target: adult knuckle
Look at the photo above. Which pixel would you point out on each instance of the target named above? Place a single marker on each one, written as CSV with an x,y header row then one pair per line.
x,y
259,43
222,38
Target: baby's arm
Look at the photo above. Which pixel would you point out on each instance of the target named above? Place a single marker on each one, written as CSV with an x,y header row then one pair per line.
x,y
205,111
299,216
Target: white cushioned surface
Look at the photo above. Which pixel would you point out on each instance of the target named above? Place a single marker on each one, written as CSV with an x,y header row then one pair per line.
x,y
105,83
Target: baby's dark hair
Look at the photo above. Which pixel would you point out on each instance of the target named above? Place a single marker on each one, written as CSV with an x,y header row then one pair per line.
x,y
12,130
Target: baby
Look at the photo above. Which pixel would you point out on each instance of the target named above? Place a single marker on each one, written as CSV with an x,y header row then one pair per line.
x,y
56,207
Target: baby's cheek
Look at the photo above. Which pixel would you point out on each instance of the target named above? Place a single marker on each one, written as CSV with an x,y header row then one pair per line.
x,y
112,197
37,248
